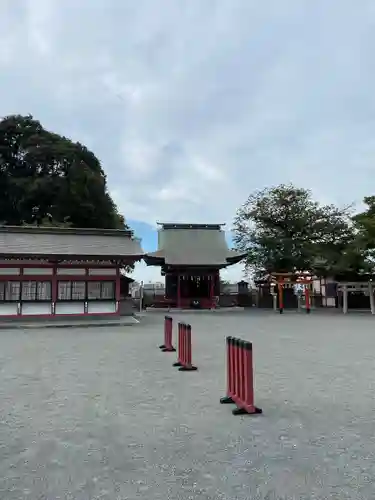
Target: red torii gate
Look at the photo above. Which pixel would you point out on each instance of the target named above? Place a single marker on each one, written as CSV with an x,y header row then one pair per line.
x,y
301,278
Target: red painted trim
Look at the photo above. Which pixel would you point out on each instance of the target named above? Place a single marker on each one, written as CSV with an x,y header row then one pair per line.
x,y
82,277
85,306
59,277
118,289
54,288
19,263
74,266
47,316
19,303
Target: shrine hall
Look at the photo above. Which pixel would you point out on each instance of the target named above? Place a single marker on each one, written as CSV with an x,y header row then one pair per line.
x,y
191,257
57,272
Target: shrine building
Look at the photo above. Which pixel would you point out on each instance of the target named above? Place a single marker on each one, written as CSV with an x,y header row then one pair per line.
x,y
58,272
190,257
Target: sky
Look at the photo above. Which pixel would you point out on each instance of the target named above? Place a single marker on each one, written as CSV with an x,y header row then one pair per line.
x,y
191,105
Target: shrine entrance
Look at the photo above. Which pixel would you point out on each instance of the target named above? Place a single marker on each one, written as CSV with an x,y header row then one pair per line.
x,y
292,291
189,288
356,295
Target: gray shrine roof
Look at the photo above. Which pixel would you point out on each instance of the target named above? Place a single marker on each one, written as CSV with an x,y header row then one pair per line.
x,y
193,245
56,242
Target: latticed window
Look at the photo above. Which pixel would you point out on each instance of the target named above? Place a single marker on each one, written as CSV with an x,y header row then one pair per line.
x,y
71,290
44,290
12,290
96,290
108,290
35,290
64,290
29,290
78,290
101,290
93,290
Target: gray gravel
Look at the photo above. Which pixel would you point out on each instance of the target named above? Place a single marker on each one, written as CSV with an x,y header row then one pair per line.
x,y
101,413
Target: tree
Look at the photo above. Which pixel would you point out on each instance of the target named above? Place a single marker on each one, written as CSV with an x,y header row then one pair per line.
x,y
283,229
365,233
44,176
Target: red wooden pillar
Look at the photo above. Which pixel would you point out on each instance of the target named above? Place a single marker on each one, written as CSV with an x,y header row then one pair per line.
x,y
118,289
178,291
281,297
54,285
212,290
307,298
86,304
19,305
217,283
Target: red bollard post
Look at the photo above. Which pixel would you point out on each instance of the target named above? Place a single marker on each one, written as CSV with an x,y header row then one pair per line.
x,y
230,372
187,365
248,394
230,365
179,347
245,397
183,343
240,388
166,326
168,333
240,370
237,376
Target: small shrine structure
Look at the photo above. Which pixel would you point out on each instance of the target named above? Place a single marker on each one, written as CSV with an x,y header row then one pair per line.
x,y
355,291
278,290
289,281
191,257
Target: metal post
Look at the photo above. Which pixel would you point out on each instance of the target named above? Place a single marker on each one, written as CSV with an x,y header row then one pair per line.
x,y
371,293
274,298
345,299
140,296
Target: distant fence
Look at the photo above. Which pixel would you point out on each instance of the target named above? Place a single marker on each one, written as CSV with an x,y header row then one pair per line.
x,y
231,300
225,300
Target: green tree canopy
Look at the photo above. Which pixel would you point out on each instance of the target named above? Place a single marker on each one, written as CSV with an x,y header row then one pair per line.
x,y
283,229
365,225
45,176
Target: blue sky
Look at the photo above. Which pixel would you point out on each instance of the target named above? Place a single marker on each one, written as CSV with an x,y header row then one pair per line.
x,y
191,105
147,233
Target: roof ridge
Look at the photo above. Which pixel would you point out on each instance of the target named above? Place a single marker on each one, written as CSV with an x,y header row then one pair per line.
x,y
187,225
66,230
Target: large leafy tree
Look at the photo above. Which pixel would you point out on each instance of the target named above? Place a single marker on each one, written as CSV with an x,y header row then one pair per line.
x,y
365,232
283,229
44,176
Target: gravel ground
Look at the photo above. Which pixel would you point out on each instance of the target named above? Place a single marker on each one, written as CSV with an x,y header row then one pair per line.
x,y
101,414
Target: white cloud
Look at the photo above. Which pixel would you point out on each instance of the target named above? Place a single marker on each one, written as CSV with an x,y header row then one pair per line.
x,y
147,274
192,105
